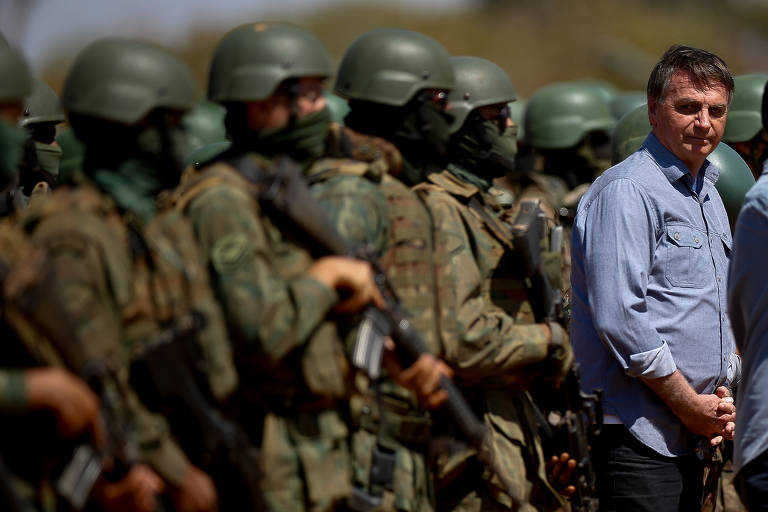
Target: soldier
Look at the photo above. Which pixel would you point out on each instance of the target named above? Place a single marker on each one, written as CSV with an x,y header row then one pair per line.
x,y
123,274
569,125
278,298
744,129
497,341
42,112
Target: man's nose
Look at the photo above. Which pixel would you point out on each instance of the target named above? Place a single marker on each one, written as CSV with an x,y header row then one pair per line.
x,y
703,119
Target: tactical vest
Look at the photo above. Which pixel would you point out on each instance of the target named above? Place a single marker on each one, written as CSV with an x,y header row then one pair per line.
x,y
415,255
321,369
154,274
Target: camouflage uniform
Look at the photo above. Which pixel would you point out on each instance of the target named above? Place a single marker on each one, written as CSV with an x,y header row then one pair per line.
x,y
291,360
119,272
496,341
374,210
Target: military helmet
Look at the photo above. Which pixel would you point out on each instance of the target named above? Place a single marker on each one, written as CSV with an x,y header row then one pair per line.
x,y
629,133
204,124
479,82
15,79
607,89
627,101
122,80
559,116
253,59
42,106
735,179
390,65
517,114
744,121
338,106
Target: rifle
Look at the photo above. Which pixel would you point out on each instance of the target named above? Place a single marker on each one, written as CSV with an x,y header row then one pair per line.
x,y
283,191
573,416
166,381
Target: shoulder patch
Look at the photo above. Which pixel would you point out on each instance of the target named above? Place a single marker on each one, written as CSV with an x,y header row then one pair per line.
x,y
230,252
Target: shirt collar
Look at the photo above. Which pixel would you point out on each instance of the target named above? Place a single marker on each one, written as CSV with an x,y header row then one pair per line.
x,y
672,167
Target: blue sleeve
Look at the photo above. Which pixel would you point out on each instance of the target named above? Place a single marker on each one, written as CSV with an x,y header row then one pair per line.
x,y
617,234
748,274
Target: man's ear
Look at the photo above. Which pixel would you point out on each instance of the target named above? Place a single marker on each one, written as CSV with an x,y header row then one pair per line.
x,y
653,106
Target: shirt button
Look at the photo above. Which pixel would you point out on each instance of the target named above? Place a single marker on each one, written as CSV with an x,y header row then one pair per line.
x,y
677,236
719,278
696,240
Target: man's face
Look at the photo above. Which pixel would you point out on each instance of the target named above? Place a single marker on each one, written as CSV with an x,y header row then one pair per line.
x,y
275,111
10,111
690,121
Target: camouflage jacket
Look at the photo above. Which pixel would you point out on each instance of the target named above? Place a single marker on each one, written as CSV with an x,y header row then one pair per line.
x,y
495,339
275,311
112,282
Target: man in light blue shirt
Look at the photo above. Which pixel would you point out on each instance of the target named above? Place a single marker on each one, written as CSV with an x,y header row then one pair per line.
x,y
650,252
748,303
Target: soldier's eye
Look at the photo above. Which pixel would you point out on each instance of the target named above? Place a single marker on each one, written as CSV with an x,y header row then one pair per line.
x,y
718,111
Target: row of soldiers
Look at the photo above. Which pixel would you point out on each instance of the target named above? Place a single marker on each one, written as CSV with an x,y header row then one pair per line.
x,y
284,324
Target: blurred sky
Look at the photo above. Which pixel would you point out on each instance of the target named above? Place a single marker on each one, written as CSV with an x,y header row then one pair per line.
x,y
38,26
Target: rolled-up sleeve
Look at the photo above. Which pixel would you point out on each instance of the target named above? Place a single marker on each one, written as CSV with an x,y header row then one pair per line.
x,y
618,235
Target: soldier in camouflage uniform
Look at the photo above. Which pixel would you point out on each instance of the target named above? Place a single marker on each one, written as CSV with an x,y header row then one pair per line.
x,y
278,298
121,272
498,348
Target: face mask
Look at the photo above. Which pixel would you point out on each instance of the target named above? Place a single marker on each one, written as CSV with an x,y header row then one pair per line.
x,y
423,139
48,157
483,149
303,139
163,148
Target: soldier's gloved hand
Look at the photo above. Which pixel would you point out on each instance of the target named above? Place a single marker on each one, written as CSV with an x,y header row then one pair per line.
x,y
136,491
75,405
560,354
351,277
196,492
422,377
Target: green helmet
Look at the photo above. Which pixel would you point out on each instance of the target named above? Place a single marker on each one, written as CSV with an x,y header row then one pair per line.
x,y
253,59
607,89
15,80
744,121
338,106
204,124
627,101
559,116
42,106
479,82
122,80
629,133
735,179
517,114
390,65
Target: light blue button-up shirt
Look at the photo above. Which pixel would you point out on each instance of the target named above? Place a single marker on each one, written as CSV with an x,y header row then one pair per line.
x,y
649,276
748,303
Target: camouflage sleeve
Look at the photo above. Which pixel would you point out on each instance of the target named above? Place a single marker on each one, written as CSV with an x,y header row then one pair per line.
x,y
261,307
357,208
88,317
487,343
13,390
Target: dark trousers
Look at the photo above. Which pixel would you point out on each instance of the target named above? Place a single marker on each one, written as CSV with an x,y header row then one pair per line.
x,y
632,477
752,483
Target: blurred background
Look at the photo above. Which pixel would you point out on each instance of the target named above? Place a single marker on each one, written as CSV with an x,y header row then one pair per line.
x,y
536,41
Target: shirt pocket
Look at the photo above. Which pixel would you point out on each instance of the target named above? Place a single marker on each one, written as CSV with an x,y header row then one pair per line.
x,y
686,258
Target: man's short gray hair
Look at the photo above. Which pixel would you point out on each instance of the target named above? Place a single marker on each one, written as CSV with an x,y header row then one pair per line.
x,y
704,67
